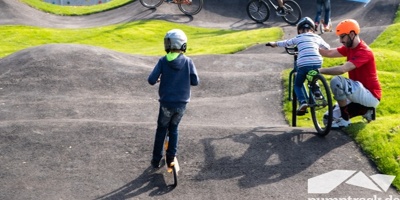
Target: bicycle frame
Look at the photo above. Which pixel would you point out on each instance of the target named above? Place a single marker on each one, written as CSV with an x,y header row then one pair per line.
x,y
187,2
273,5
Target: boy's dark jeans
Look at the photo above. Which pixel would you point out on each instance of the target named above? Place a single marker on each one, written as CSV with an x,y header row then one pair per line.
x,y
168,121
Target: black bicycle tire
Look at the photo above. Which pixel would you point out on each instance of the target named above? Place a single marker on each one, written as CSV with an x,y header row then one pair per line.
x,y
151,6
186,12
294,103
295,6
322,131
251,4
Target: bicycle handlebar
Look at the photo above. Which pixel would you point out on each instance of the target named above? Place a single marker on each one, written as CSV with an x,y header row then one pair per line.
x,y
291,50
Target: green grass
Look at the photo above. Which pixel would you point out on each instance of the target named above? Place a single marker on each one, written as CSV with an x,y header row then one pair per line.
x,y
380,139
75,10
140,37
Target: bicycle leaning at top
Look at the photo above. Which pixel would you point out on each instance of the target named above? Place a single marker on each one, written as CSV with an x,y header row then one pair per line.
x,y
188,7
259,11
318,95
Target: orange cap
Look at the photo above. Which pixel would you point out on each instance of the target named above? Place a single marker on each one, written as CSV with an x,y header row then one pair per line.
x,y
347,26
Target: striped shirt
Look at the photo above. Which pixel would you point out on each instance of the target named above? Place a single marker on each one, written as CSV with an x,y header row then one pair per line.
x,y
308,45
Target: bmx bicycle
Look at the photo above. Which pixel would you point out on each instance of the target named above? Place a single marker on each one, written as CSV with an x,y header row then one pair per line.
x,y
259,11
188,7
321,106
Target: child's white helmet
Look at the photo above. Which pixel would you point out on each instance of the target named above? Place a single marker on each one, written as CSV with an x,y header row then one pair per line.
x,y
175,39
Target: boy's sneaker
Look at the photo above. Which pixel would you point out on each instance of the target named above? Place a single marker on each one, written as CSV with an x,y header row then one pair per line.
x,y
369,116
281,11
169,1
302,109
155,163
340,123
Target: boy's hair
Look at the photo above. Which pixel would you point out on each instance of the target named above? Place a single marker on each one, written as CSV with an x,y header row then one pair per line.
x,y
175,39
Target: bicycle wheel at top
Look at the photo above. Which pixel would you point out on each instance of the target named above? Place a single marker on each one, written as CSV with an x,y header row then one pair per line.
x,y
293,12
191,9
258,10
151,3
321,108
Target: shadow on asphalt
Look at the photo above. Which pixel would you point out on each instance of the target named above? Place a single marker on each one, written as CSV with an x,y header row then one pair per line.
x,y
148,181
269,158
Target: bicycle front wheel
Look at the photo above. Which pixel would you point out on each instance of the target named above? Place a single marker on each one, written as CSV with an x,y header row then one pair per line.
x,y
151,3
293,12
258,10
320,102
191,8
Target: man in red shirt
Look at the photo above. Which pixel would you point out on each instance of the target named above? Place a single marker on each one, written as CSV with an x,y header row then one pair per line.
x,y
361,91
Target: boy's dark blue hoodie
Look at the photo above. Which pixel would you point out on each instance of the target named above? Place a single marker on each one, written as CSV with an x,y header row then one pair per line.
x,y
176,77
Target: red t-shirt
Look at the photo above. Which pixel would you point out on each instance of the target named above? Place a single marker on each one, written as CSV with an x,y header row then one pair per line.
x,y
365,72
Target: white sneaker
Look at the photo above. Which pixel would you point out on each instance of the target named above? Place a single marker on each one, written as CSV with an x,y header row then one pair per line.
x,y
302,109
340,123
368,116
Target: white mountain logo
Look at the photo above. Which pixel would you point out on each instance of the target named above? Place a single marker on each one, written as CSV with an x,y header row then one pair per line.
x,y
325,183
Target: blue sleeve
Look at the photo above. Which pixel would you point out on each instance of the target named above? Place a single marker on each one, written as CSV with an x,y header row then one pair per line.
x,y
155,74
194,78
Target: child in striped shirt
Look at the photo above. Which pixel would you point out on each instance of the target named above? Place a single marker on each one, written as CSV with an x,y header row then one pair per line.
x,y
308,44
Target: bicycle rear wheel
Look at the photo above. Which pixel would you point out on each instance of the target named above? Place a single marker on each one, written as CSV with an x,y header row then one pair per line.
x,y
293,12
321,107
151,3
258,10
191,8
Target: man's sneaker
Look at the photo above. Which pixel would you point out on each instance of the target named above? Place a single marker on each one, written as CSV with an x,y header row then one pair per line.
x,y
281,11
369,116
325,120
302,109
155,163
169,1
340,123
328,27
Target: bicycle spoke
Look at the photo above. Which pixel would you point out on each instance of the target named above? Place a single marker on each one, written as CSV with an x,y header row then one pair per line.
x,y
258,11
293,11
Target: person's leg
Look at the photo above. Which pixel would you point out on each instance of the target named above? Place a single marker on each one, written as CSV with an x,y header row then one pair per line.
x,y
162,127
174,133
362,95
319,11
298,89
341,87
327,6
281,10
280,3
